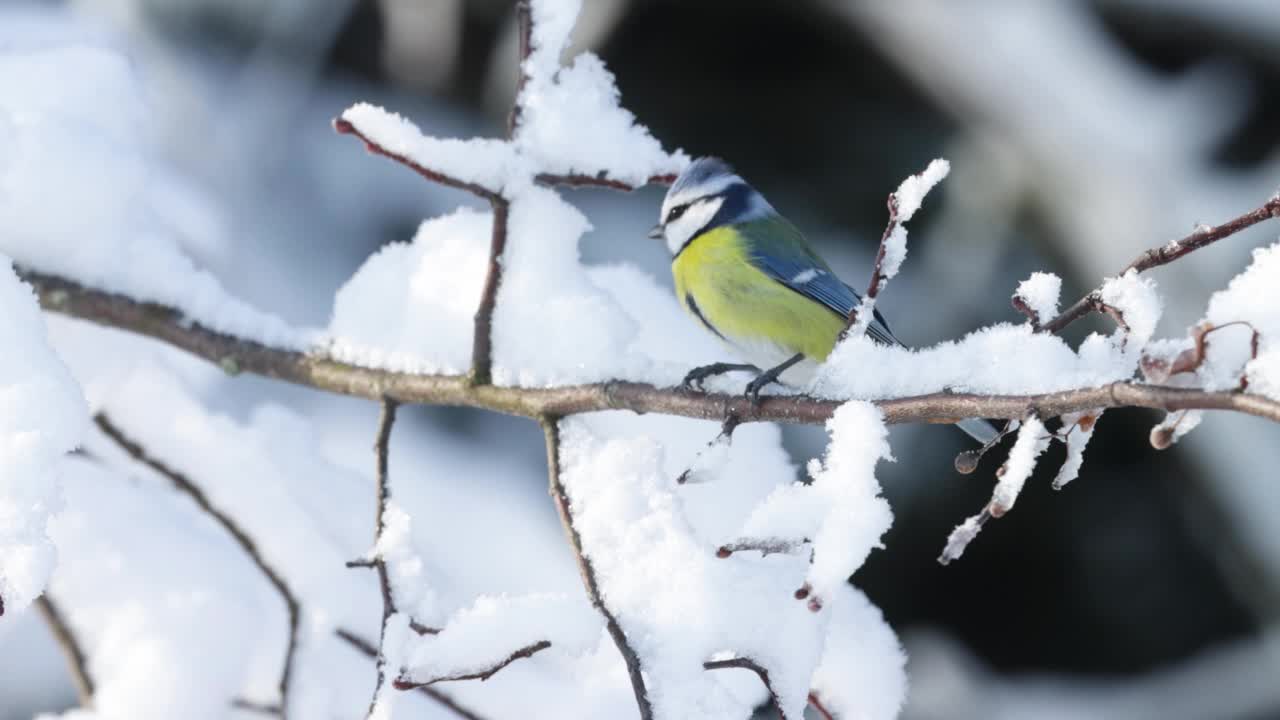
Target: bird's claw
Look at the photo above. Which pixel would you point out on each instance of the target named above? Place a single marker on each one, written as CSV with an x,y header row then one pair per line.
x,y
755,386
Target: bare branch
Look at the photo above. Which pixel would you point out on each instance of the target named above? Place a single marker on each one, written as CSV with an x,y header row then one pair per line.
x,y
382,495
72,650
753,666
319,372
481,675
1167,253
366,648
183,484
482,337
816,703
551,429
257,707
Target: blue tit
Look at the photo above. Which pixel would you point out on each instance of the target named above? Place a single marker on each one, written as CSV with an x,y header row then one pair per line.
x,y
747,275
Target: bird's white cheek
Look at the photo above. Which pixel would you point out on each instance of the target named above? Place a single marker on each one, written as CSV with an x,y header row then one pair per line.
x,y
695,218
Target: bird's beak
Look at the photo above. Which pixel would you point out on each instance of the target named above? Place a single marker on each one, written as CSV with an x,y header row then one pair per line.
x,y
657,232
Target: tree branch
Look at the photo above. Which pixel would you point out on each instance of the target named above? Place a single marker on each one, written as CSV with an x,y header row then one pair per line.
x,y
316,371
1167,253
753,666
345,127
183,484
551,428
66,638
382,494
481,675
367,649
600,180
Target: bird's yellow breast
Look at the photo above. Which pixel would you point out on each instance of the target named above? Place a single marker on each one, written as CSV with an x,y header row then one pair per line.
x,y
718,285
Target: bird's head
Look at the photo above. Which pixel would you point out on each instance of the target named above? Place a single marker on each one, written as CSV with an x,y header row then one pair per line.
x,y
707,194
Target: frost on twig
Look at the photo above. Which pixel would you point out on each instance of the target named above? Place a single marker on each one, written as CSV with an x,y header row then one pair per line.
x,y
764,546
1077,430
1012,475
903,204
711,460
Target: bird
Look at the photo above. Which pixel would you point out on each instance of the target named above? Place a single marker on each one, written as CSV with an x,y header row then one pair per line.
x,y
748,276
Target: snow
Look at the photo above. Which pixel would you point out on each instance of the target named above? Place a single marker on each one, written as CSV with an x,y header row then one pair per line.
x,y
1032,440
487,163
866,677
841,510
42,417
1001,359
907,200
681,605
959,539
411,306
1079,429
910,194
480,637
553,131
69,171
1251,297
1136,298
1040,293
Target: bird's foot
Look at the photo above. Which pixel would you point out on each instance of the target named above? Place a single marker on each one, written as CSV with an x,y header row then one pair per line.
x,y
769,377
694,378
762,381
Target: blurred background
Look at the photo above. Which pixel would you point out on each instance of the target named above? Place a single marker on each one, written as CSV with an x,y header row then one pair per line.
x,y
1080,133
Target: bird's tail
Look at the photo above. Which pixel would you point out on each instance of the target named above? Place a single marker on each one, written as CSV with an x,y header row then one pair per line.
x,y
979,429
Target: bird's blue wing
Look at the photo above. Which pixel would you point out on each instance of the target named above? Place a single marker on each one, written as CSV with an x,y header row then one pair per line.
x,y
779,250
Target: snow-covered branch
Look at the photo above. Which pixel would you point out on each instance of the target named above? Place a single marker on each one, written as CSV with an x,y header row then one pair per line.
x,y
480,674
903,204
560,497
316,370
1201,237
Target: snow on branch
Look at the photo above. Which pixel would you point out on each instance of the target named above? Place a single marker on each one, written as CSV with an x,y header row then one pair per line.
x,y
903,204
316,370
1201,237
564,507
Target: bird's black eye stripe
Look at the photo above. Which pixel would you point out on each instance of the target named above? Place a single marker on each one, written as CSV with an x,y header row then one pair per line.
x,y
676,212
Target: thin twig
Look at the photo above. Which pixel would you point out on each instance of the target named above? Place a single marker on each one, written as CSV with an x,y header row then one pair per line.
x,y
183,484
482,336
317,371
367,649
1167,253
481,675
71,648
753,666
600,180
877,282
551,429
764,546
382,495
